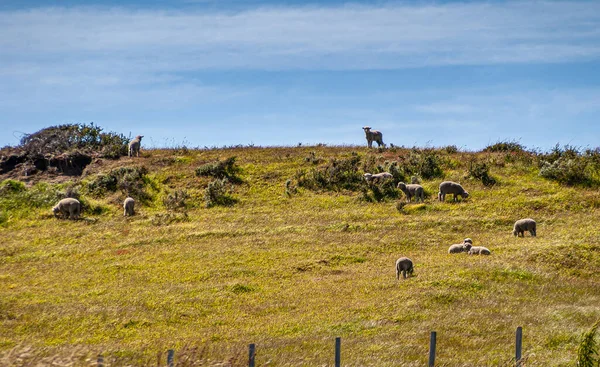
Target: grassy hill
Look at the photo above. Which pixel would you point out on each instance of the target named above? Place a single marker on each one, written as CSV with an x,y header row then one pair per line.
x,y
292,270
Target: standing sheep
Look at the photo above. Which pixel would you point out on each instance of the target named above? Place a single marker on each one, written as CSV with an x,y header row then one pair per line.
x,y
69,207
411,190
479,250
523,225
134,146
404,265
373,136
383,176
128,205
449,187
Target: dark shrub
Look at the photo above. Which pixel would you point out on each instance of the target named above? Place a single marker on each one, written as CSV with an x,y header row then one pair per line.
x,y
424,163
220,170
505,146
129,180
217,193
480,171
338,174
176,200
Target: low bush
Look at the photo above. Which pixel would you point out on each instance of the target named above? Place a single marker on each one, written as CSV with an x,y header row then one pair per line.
x,y
176,200
336,175
217,193
221,169
425,163
480,171
505,146
129,180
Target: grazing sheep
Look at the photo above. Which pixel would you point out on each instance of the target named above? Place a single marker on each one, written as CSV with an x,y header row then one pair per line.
x,y
412,190
449,187
378,177
479,250
134,146
69,207
373,136
128,205
523,225
462,247
404,265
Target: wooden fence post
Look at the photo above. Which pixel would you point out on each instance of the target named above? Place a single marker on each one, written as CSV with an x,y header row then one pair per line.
x,y
100,360
251,354
519,346
338,351
170,357
432,349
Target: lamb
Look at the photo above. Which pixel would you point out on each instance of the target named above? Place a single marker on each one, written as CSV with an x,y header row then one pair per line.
x,y
404,265
411,190
449,187
128,205
373,136
479,250
523,225
462,247
378,177
69,207
134,146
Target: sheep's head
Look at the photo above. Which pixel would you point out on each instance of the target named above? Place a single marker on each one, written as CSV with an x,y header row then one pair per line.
x,y
515,232
465,195
401,185
367,129
468,247
55,210
139,137
368,176
468,240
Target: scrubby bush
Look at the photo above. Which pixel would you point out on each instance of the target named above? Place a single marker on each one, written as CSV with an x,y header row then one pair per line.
x,y
505,146
217,193
312,158
11,186
221,169
176,200
587,352
567,165
451,149
425,163
290,189
129,180
336,175
480,171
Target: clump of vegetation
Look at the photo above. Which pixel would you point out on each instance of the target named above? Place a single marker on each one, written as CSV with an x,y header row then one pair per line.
x,y
480,171
176,200
290,189
218,193
425,163
312,158
379,192
336,175
451,149
221,169
505,146
587,352
129,180
569,166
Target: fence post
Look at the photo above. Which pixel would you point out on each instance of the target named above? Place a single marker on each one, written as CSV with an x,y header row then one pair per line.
x,y
251,354
519,346
338,351
100,360
432,349
170,355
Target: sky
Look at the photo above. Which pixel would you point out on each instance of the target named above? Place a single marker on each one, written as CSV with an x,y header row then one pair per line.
x,y
212,73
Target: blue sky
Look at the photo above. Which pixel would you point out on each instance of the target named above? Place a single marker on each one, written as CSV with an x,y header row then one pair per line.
x,y
215,73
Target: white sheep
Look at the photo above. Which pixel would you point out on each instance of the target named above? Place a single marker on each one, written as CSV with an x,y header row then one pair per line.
x,y
411,190
383,176
128,206
449,187
523,225
462,247
69,207
479,250
373,136
134,146
404,265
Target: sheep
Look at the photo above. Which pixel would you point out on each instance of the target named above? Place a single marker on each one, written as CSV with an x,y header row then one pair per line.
x,y
383,176
134,146
411,190
479,250
449,187
523,225
462,247
373,136
404,265
128,205
70,207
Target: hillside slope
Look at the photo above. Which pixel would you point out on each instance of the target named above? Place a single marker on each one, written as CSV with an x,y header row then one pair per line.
x,y
290,272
